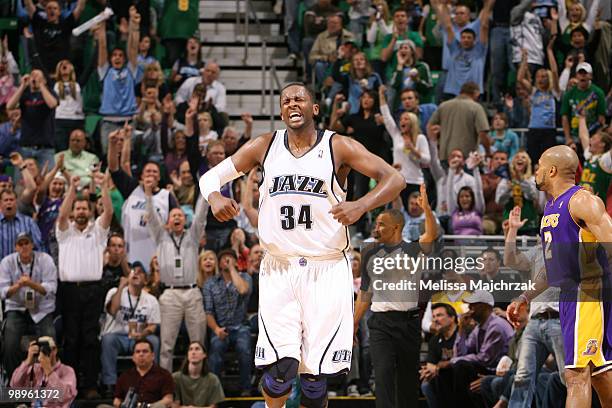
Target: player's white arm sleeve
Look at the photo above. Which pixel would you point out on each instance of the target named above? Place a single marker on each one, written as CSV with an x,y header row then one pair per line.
x,y
218,176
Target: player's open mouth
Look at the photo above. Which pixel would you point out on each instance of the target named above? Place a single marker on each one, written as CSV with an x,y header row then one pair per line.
x,y
295,116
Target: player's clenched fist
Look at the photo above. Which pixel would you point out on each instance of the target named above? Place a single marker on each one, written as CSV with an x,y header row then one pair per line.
x,y
223,208
348,212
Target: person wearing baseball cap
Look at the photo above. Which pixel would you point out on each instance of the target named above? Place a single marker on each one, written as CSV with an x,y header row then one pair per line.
x,y
482,341
226,296
28,283
585,99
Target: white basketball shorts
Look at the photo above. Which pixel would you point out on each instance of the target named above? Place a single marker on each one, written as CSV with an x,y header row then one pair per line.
x,y
306,313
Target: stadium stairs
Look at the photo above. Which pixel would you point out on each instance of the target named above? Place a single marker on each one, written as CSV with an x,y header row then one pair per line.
x,y
246,73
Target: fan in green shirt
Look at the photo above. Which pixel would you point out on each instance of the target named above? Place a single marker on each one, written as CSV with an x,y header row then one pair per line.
x,y
195,386
180,19
597,167
584,99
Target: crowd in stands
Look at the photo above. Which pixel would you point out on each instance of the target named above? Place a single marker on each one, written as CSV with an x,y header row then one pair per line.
x,y
108,250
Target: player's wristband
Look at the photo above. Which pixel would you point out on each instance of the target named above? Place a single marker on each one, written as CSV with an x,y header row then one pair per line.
x,y
218,176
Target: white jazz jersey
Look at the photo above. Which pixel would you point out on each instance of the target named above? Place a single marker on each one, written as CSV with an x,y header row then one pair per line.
x,y
295,199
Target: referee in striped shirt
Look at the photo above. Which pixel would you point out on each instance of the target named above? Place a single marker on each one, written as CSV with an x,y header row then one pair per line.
x,y
394,324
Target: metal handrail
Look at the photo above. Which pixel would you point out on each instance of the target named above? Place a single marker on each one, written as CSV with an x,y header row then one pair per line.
x,y
523,239
264,57
273,81
248,9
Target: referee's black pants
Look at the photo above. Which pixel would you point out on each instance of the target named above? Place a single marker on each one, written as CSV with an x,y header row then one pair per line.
x,y
395,343
82,305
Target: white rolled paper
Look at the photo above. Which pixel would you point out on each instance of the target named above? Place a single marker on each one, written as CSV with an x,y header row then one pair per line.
x,y
86,26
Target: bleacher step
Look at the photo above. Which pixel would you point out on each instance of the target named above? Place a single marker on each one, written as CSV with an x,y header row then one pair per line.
x,y
229,6
240,38
251,80
236,52
231,29
261,15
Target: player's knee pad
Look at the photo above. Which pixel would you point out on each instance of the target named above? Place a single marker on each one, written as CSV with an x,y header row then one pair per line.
x,y
313,390
278,377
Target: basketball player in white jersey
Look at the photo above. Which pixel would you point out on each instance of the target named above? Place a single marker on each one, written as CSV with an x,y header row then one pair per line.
x,y
305,280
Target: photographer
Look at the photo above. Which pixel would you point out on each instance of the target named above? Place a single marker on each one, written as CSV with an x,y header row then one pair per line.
x,y
42,369
146,382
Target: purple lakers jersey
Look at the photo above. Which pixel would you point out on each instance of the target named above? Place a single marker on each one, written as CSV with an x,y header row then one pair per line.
x,y
571,253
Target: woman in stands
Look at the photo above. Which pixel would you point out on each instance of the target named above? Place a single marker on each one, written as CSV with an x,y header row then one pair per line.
x,y
466,219
153,76
410,147
189,65
153,285
361,78
503,139
145,56
208,266
69,113
411,73
543,97
576,16
520,190
367,130
381,24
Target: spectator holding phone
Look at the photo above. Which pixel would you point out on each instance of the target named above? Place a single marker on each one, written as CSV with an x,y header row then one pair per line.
x,y
43,369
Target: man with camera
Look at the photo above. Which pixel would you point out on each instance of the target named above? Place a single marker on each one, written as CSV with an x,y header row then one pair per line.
x,y
28,283
146,383
42,369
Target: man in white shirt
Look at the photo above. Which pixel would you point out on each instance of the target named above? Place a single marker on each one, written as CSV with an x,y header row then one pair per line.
x,y
215,90
131,314
81,248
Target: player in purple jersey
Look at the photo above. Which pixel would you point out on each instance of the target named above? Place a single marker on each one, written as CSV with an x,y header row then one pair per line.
x,y
573,218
